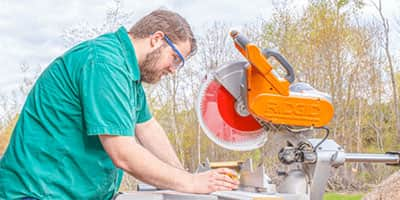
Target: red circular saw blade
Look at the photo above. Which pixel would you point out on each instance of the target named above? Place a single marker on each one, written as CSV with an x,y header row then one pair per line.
x,y
223,125
226,106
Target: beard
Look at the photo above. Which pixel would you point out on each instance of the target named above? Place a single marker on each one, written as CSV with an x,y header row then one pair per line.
x,y
148,70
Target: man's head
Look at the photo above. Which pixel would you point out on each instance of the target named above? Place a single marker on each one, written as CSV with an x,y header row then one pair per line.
x,y
167,41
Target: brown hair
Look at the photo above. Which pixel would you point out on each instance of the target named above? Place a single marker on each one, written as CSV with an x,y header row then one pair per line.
x,y
171,23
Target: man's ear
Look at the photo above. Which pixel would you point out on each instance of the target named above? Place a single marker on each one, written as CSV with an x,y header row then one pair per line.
x,y
156,39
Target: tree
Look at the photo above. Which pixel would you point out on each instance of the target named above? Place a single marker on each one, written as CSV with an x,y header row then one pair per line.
x,y
386,46
337,53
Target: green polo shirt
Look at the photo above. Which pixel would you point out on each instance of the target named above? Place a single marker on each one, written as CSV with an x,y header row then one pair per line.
x,y
55,152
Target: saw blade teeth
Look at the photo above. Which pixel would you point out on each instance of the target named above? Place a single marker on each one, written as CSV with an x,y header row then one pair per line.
x,y
238,140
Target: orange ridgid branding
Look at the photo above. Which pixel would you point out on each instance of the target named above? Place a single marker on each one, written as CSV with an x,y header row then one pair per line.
x,y
282,109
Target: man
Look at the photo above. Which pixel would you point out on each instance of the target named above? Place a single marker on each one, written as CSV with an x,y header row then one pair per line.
x,y
77,128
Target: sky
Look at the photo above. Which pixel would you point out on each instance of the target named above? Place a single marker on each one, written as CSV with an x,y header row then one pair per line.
x,y
31,30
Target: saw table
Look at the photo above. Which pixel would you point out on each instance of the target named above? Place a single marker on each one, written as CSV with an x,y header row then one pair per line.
x,y
222,195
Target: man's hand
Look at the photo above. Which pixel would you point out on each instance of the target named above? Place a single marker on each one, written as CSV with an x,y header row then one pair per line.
x,y
214,180
130,156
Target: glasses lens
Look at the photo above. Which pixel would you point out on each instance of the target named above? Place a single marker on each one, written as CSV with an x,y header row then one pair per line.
x,y
179,61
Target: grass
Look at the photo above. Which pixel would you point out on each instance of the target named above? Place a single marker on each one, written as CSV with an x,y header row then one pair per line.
x,y
336,196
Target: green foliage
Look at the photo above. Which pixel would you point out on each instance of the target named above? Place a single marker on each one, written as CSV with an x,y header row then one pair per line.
x,y
341,3
336,196
330,48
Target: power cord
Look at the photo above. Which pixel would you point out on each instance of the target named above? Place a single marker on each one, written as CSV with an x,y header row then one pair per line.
x,y
323,139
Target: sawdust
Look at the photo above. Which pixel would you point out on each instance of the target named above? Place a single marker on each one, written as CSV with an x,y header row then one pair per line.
x,y
389,189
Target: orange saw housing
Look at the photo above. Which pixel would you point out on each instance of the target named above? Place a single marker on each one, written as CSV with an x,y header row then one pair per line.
x,y
269,98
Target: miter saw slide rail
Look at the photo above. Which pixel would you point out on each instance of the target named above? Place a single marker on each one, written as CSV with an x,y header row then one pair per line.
x,y
390,158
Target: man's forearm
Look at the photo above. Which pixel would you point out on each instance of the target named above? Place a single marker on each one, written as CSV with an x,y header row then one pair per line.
x,y
153,137
139,162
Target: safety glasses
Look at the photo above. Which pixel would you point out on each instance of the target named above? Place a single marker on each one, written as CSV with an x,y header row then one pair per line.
x,y
178,61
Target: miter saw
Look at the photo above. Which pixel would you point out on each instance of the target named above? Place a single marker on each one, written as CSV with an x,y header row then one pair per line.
x,y
241,103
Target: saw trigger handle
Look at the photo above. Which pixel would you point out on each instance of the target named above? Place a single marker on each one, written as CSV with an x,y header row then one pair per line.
x,y
241,40
288,68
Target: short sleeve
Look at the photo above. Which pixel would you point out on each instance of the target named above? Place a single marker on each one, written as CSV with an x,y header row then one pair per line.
x,y
105,100
143,114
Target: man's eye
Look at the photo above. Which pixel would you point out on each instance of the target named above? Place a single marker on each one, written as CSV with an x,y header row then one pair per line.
x,y
176,59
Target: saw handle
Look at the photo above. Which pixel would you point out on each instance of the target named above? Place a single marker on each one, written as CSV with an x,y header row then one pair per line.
x,y
242,42
288,68
239,39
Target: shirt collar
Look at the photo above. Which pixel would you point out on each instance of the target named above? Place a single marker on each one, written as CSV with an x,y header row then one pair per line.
x,y
129,52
